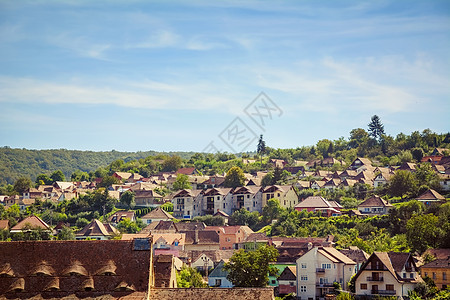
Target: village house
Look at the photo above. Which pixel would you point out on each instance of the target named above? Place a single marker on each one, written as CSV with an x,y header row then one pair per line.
x,y
430,196
30,223
156,215
248,197
165,273
217,199
319,268
96,230
201,240
387,274
375,205
286,194
287,281
187,203
218,277
147,198
122,215
318,203
230,236
439,271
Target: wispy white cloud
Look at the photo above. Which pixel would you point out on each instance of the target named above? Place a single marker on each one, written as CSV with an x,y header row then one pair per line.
x,y
144,94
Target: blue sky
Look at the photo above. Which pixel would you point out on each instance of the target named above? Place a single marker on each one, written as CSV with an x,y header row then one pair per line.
x,y
175,75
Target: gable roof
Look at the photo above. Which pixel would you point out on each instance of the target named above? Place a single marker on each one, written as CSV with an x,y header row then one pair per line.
x,y
438,263
4,224
375,201
431,194
317,202
219,271
334,255
186,171
33,221
97,228
188,226
289,273
205,237
158,213
393,262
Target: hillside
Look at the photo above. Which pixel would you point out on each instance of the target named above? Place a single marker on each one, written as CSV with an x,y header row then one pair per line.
x,y
23,162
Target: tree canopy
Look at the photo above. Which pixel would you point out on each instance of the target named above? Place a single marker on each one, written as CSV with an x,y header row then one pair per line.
x,y
235,177
251,268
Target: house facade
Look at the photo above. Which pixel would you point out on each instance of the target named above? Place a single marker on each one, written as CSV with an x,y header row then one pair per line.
x,y
286,194
319,268
439,271
187,204
387,274
375,205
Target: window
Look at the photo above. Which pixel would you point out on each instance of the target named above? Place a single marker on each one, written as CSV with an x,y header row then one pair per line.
x,y
218,282
444,275
303,289
274,281
411,275
389,287
434,275
426,274
404,275
326,266
291,283
303,277
364,286
303,266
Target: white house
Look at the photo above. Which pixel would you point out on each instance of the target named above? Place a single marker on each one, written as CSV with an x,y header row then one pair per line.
x,y
387,274
187,204
319,268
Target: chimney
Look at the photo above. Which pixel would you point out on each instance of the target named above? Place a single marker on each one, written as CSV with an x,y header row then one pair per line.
x,y
310,246
195,234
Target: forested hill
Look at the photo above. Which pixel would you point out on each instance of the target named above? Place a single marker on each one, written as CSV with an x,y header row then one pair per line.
x,y
15,163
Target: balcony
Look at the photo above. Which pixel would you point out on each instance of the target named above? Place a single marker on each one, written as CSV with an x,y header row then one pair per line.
x,y
324,285
383,292
374,278
320,270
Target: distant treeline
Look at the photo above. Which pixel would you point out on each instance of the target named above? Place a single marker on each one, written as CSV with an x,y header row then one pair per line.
x,y
15,163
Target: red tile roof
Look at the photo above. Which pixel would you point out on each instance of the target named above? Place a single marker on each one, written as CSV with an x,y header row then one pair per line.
x,y
70,267
32,221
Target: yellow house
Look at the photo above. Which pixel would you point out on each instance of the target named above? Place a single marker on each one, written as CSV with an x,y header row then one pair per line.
x,y
438,270
286,194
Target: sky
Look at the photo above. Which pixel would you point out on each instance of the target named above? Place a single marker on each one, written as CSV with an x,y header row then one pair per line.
x,y
214,75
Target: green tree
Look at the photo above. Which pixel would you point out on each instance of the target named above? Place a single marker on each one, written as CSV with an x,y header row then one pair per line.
x,y
272,210
181,182
127,199
423,232
426,176
376,128
127,226
402,183
108,181
58,175
172,163
251,269
234,178
66,233
189,277
244,217
261,148
267,180
22,184
43,179
358,137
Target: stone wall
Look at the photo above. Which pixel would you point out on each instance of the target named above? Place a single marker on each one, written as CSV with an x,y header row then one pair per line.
x,y
212,293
